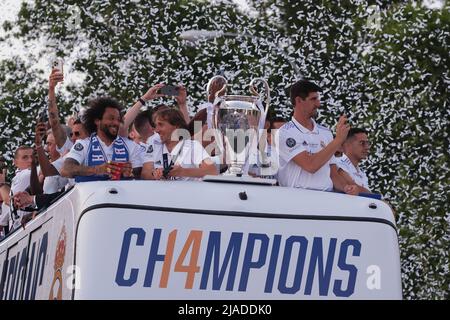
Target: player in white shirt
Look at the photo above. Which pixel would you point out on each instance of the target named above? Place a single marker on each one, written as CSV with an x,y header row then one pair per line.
x,y
171,157
96,157
307,149
4,209
356,148
141,131
78,132
22,160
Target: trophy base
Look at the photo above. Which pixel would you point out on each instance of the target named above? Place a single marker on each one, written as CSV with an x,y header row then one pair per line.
x,y
241,180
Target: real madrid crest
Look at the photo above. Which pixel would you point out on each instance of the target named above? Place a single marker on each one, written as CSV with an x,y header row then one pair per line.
x,y
78,147
290,142
60,253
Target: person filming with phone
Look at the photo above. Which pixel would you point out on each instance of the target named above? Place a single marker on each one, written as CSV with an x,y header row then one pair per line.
x,y
157,91
63,142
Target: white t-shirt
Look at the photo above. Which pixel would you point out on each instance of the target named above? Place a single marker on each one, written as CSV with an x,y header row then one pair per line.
x,y
53,184
294,139
4,214
21,180
66,147
188,154
19,183
355,173
58,164
79,151
143,147
153,142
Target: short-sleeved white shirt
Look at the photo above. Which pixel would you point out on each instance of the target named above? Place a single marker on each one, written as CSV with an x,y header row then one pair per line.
x,y
58,164
358,175
295,139
4,214
53,184
20,182
66,147
153,142
143,147
79,151
188,153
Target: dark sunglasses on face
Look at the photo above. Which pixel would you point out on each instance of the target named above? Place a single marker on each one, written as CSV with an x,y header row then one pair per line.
x,y
75,133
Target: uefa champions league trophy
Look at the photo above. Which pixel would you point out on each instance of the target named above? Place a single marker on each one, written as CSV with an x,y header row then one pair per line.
x,y
236,120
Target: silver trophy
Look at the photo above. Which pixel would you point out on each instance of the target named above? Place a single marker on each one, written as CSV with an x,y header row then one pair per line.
x,y
236,121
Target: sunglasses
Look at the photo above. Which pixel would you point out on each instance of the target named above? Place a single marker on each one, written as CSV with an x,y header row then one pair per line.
x,y
75,133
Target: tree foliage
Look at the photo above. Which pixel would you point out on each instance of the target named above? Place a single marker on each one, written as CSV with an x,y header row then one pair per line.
x,y
384,64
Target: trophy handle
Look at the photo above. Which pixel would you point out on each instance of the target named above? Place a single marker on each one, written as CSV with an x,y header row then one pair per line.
x,y
256,93
211,82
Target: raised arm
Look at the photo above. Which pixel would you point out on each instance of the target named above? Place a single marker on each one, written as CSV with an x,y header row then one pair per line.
x,y
53,114
35,184
182,104
313,162
134,110
46,167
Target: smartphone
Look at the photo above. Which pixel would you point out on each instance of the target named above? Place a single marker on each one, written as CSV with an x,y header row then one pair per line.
x,y
169,90
58,64
43,116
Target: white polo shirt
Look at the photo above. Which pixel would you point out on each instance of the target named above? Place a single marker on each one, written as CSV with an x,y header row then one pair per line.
x,y
188,154
355,173
294,139
79,151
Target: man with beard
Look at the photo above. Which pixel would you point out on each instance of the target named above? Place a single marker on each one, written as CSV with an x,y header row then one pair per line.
x,y
98,157
306,148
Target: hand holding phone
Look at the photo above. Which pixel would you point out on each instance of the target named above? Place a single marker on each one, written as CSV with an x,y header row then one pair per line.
x,y
58,64
169,90
43,117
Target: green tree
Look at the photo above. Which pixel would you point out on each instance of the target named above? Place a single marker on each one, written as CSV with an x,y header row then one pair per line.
x,y
383,64
409,118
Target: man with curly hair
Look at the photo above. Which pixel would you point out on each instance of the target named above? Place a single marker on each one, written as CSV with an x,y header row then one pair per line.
x,y
104,154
